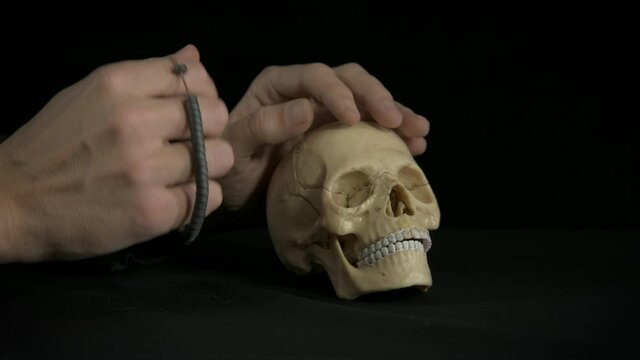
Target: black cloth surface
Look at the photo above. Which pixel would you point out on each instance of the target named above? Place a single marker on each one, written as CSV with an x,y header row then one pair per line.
x,y
513,294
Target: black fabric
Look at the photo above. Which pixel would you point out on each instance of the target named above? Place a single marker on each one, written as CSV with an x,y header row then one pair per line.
x,y
513,294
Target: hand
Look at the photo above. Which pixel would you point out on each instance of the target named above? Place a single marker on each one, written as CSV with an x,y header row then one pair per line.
x,y
283,103
106,163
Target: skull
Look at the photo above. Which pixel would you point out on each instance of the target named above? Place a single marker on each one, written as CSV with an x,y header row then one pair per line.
x,y
352,201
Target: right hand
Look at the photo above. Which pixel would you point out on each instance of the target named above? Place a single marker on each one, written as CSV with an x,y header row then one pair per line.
x,y
284,102
107,163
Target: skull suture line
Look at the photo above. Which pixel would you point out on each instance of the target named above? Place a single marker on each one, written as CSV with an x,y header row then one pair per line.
x,y
351,200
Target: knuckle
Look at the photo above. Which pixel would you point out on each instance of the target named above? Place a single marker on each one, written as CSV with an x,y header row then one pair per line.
x,y
137,172
221,115
353,68
199,69
226,156
223,108
126,122
128,116
263,79
215,195
253,124
202,76
109,78
318,67
382,92
269,70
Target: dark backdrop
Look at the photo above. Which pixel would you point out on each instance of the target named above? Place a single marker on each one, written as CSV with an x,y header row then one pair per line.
x,y
521,135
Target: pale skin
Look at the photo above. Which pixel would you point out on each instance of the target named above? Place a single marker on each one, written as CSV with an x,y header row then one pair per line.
x,y
106,163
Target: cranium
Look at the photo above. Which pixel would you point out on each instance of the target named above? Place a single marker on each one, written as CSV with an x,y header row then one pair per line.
x,y
352,200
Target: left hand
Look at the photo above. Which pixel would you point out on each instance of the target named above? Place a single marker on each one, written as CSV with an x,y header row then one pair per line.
x,y
283,103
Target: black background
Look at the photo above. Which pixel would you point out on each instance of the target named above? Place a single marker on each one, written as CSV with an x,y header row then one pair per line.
x,y
528,132
523,133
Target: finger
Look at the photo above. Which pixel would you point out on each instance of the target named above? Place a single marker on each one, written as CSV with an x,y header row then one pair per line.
x,y
270,125
187,53
371,94
310,80
183,197
155,76
417,146
413,125
166,118
173,165
196,80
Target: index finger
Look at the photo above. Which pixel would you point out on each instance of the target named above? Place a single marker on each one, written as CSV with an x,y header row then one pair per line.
x,y
370,93
309,80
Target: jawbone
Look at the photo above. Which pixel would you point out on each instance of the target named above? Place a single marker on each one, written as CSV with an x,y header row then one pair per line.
x,y
399,270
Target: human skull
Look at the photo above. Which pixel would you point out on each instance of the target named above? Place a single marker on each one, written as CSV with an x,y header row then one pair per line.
x,y
352,200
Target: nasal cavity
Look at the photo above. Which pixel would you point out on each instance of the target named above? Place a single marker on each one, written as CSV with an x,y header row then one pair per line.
x,y
398,202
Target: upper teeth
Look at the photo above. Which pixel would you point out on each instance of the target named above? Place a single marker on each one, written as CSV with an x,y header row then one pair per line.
x,y
399,240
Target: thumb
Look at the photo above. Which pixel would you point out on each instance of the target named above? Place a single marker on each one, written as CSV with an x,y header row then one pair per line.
x,y
270,125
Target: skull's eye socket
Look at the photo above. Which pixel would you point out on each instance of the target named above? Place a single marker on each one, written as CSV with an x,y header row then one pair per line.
x,y
416,183
351,189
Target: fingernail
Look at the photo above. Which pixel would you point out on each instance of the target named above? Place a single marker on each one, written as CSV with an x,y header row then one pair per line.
x,y
351,108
